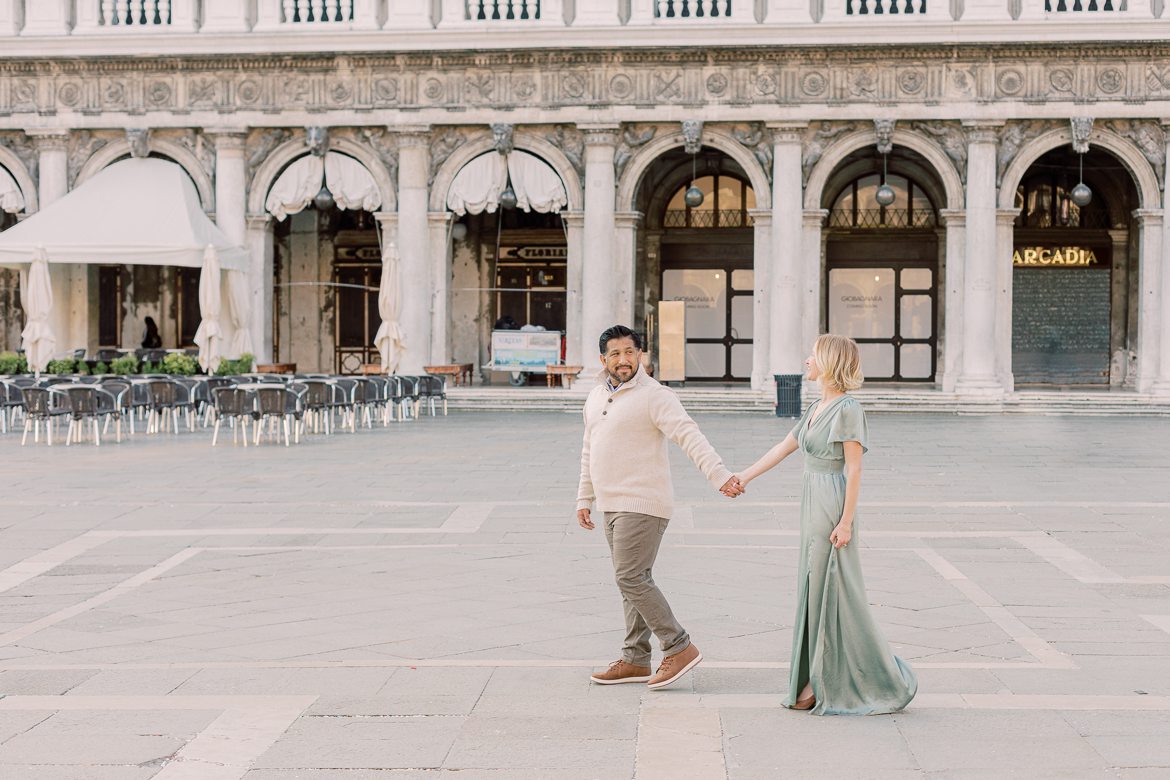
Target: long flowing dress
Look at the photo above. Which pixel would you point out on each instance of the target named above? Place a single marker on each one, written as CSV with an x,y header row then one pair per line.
x,y
836,642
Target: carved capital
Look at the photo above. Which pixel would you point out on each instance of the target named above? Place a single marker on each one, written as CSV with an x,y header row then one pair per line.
x,y
982,132
49,140
600,135
227,140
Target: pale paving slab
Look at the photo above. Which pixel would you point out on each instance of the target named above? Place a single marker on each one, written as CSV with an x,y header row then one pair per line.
x,y
428,581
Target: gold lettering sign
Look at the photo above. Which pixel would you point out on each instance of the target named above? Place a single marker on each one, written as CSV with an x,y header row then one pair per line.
x,y
1061,256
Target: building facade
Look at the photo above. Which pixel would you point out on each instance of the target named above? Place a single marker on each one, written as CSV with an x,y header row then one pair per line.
x,y
903,173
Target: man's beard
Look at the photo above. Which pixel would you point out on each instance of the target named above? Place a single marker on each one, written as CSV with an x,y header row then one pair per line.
x,y
617,379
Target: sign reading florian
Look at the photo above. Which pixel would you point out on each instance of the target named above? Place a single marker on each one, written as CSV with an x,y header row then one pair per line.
x,y
1066,256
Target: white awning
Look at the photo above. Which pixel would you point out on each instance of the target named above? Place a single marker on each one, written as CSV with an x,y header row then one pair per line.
x,y
353,187
536,184
11,199
477,186
134,212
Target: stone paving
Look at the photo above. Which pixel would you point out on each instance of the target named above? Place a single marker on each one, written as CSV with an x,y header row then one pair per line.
x,y
417,603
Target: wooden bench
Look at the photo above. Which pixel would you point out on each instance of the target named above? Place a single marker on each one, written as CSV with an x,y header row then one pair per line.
x,y
565,374
460,373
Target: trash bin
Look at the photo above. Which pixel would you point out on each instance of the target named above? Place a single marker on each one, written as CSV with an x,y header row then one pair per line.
x,y
788,395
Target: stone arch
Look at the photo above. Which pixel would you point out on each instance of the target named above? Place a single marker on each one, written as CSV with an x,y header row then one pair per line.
x,y
924,177
522,140
175,152
713,137
293,149
1139,167
11,163
671,185
944,169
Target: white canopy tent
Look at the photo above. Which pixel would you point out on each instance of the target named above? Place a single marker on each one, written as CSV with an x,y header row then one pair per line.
x,y
135,212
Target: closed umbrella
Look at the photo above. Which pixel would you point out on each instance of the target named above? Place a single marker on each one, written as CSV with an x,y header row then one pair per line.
x,y
389,337
209,335
36,297
239,302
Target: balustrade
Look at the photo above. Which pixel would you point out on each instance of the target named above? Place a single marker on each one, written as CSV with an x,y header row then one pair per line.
x,y
316,11
1078,6
692,9
885,7
502,10
135,13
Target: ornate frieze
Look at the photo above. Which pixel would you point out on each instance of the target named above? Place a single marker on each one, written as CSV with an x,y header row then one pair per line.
x,y
927,76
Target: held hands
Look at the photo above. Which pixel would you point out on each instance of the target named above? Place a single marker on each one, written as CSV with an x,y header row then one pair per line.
x,y
841,535
733,487
583,519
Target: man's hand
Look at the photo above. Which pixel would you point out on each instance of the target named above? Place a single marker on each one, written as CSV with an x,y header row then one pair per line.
x,y
732,487
583,519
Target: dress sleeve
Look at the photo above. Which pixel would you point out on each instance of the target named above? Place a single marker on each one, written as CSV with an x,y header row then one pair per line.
x,y
850,425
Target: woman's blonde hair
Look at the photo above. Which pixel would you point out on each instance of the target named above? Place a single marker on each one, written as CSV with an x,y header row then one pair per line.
x,y
839,362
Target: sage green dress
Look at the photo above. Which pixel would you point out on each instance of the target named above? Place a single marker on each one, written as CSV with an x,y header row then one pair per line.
x,y
836,641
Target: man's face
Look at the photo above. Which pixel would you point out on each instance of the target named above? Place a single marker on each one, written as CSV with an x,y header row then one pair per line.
x,y
621,359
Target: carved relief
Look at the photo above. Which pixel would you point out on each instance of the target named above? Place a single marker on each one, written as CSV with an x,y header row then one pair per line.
x,y
950,136
443,143
82,145
692,131
817,139
260,144
195,142
382,143
317,139
1013,137
884,130
19,144
1082,128
502,137
755,137
1147,136
571,142
631,139
139,140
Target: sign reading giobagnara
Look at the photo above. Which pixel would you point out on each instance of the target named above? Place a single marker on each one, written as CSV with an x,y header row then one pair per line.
x,y
1061,257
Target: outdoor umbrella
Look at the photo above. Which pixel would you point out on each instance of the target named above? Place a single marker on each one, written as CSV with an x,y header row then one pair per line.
x,y
239,299
389,338
36,297
209,335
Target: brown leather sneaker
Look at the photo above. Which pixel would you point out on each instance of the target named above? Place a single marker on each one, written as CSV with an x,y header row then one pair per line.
x,y
673,667
622,672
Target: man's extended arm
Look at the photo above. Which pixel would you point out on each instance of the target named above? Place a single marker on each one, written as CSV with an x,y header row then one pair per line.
x,y
669,417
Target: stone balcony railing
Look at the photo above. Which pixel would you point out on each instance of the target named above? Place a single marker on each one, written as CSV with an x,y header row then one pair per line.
x,y
149,18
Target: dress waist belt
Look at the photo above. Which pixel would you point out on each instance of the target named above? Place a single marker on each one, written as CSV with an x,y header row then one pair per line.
x,y
817,465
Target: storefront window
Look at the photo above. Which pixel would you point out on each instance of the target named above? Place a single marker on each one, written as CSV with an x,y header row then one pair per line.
x,y
856,205
726,201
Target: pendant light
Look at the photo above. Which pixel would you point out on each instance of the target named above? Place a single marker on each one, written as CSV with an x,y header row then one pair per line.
x,y
1081,194
885,195
693,197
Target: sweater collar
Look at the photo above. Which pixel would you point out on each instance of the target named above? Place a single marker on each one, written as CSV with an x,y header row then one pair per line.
x,y
639,379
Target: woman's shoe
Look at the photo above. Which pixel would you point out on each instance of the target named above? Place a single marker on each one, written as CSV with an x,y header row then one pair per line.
x,y
805,704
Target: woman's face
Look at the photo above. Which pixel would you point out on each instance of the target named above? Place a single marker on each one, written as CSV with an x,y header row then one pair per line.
x,y
814,370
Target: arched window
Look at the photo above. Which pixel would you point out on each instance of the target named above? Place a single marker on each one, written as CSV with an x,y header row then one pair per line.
x,y
726,202
856,206
1044,201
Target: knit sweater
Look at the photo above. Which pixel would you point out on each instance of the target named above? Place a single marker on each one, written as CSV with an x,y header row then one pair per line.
x,y
625,465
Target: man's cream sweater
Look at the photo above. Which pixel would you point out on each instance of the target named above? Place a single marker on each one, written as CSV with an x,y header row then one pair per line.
x,y
624,461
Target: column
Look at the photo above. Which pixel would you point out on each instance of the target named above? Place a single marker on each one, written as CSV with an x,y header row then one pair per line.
x,y
260,282
812,247
977,375
761,314
625,261
231,212
575,352
787,349
1153,363
440,245
599,286
1005,229
414,160
68,317
951,284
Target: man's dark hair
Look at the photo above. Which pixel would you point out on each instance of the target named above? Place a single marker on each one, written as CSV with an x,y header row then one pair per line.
x,y
617,332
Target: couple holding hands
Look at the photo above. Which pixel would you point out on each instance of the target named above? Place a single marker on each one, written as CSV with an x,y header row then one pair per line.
x,y
841,663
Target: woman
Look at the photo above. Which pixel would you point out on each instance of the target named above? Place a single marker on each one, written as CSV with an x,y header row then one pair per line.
x,y
151,338
841,664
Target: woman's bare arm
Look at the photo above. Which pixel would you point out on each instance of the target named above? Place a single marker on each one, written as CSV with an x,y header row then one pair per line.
x,y
844,530
770,459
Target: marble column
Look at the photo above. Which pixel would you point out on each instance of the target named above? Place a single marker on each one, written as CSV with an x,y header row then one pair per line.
x,y
575,352
786,346
761,313
950,337
414,161
259,240
977,375
625,262
598,282
1153,362
1005,231
812,274
69,315
440,246
231,210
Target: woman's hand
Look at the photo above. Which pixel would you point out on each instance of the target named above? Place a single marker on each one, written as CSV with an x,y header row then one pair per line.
x,y
841,534
734,486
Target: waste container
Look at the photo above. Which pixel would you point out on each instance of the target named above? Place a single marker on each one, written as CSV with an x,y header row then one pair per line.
x,y
788,395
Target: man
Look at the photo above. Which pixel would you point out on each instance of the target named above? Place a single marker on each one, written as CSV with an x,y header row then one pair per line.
x,y
625,468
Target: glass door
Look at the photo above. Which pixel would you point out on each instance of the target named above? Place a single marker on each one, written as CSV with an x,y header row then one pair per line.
x,y
719,319
889,310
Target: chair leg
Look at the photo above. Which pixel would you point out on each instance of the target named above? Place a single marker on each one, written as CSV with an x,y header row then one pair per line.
x,y
97,434
69,433
215,434
286,436
24,438
444,406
